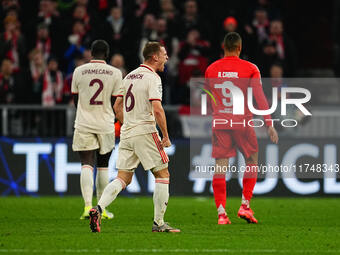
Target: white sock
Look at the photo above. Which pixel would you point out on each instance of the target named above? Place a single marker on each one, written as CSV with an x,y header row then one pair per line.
x,y
160,199
110,192
86,184
245,202
102,179
221,210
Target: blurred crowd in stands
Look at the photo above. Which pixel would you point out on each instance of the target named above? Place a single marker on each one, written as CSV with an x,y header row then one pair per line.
x,y
41,42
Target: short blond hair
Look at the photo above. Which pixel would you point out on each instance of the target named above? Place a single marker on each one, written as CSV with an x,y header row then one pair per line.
x,y
150,49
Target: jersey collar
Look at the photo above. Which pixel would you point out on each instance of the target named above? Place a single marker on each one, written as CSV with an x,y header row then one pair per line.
x,y
148,67
98,61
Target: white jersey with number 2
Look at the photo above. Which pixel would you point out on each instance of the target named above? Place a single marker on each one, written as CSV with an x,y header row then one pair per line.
x,y
95,83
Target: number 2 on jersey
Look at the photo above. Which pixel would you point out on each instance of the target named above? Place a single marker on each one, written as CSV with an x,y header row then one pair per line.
x,y
93,98
132,99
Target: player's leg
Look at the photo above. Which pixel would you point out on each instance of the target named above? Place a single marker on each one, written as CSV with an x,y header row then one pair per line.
x,y
127,162
221,151
110,193
102,179
249,178
247,142
220,190
86,145
161,194
152,156
86,179
160,200
112,190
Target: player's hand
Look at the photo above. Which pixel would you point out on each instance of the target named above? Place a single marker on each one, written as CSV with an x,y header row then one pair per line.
x,y
166,142
273,134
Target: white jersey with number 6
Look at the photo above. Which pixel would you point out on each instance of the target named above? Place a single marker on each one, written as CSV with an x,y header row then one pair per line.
x,y
140,88
95,83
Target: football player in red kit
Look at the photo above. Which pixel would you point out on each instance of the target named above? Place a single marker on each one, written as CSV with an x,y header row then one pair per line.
x,y
225,78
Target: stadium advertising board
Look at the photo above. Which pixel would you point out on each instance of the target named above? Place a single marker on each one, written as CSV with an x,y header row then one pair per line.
x,y
295,167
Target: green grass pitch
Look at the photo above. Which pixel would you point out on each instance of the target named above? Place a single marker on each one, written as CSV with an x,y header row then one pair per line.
x,y
51,225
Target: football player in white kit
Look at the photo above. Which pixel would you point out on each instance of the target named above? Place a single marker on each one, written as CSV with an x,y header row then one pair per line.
x,y
95,85
139,110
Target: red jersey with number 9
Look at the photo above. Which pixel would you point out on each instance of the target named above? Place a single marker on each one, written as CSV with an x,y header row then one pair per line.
x,y
228,80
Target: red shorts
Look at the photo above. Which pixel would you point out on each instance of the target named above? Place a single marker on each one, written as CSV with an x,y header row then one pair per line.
x,y
225,142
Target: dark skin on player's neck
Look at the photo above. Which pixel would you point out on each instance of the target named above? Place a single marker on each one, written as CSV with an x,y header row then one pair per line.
x,y
99,57
75,96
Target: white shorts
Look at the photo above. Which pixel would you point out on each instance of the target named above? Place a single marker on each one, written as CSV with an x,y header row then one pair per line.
x,y
145,149
84,141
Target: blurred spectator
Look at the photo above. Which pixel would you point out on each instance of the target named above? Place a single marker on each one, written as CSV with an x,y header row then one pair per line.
x,y
43,42
268,5
260,24
83,10
8,6
117,60
53,84
146,6
78,41
12,43
276,81
80,14
57,27
171,45
230,24
193,55
12,88
267,56
122,34
12,12
117,30
37,70
149,27
169,13
7,85
148,33
48,12
156,30
87,55
284,47
164,37
192,20
142,5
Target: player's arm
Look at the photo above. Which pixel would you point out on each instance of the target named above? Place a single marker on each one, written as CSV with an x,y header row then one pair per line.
x,y
74,88
75,100
117,97
262,104
159,114
118,109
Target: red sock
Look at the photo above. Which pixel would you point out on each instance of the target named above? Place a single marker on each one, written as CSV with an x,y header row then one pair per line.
x,y
249,181
220,190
